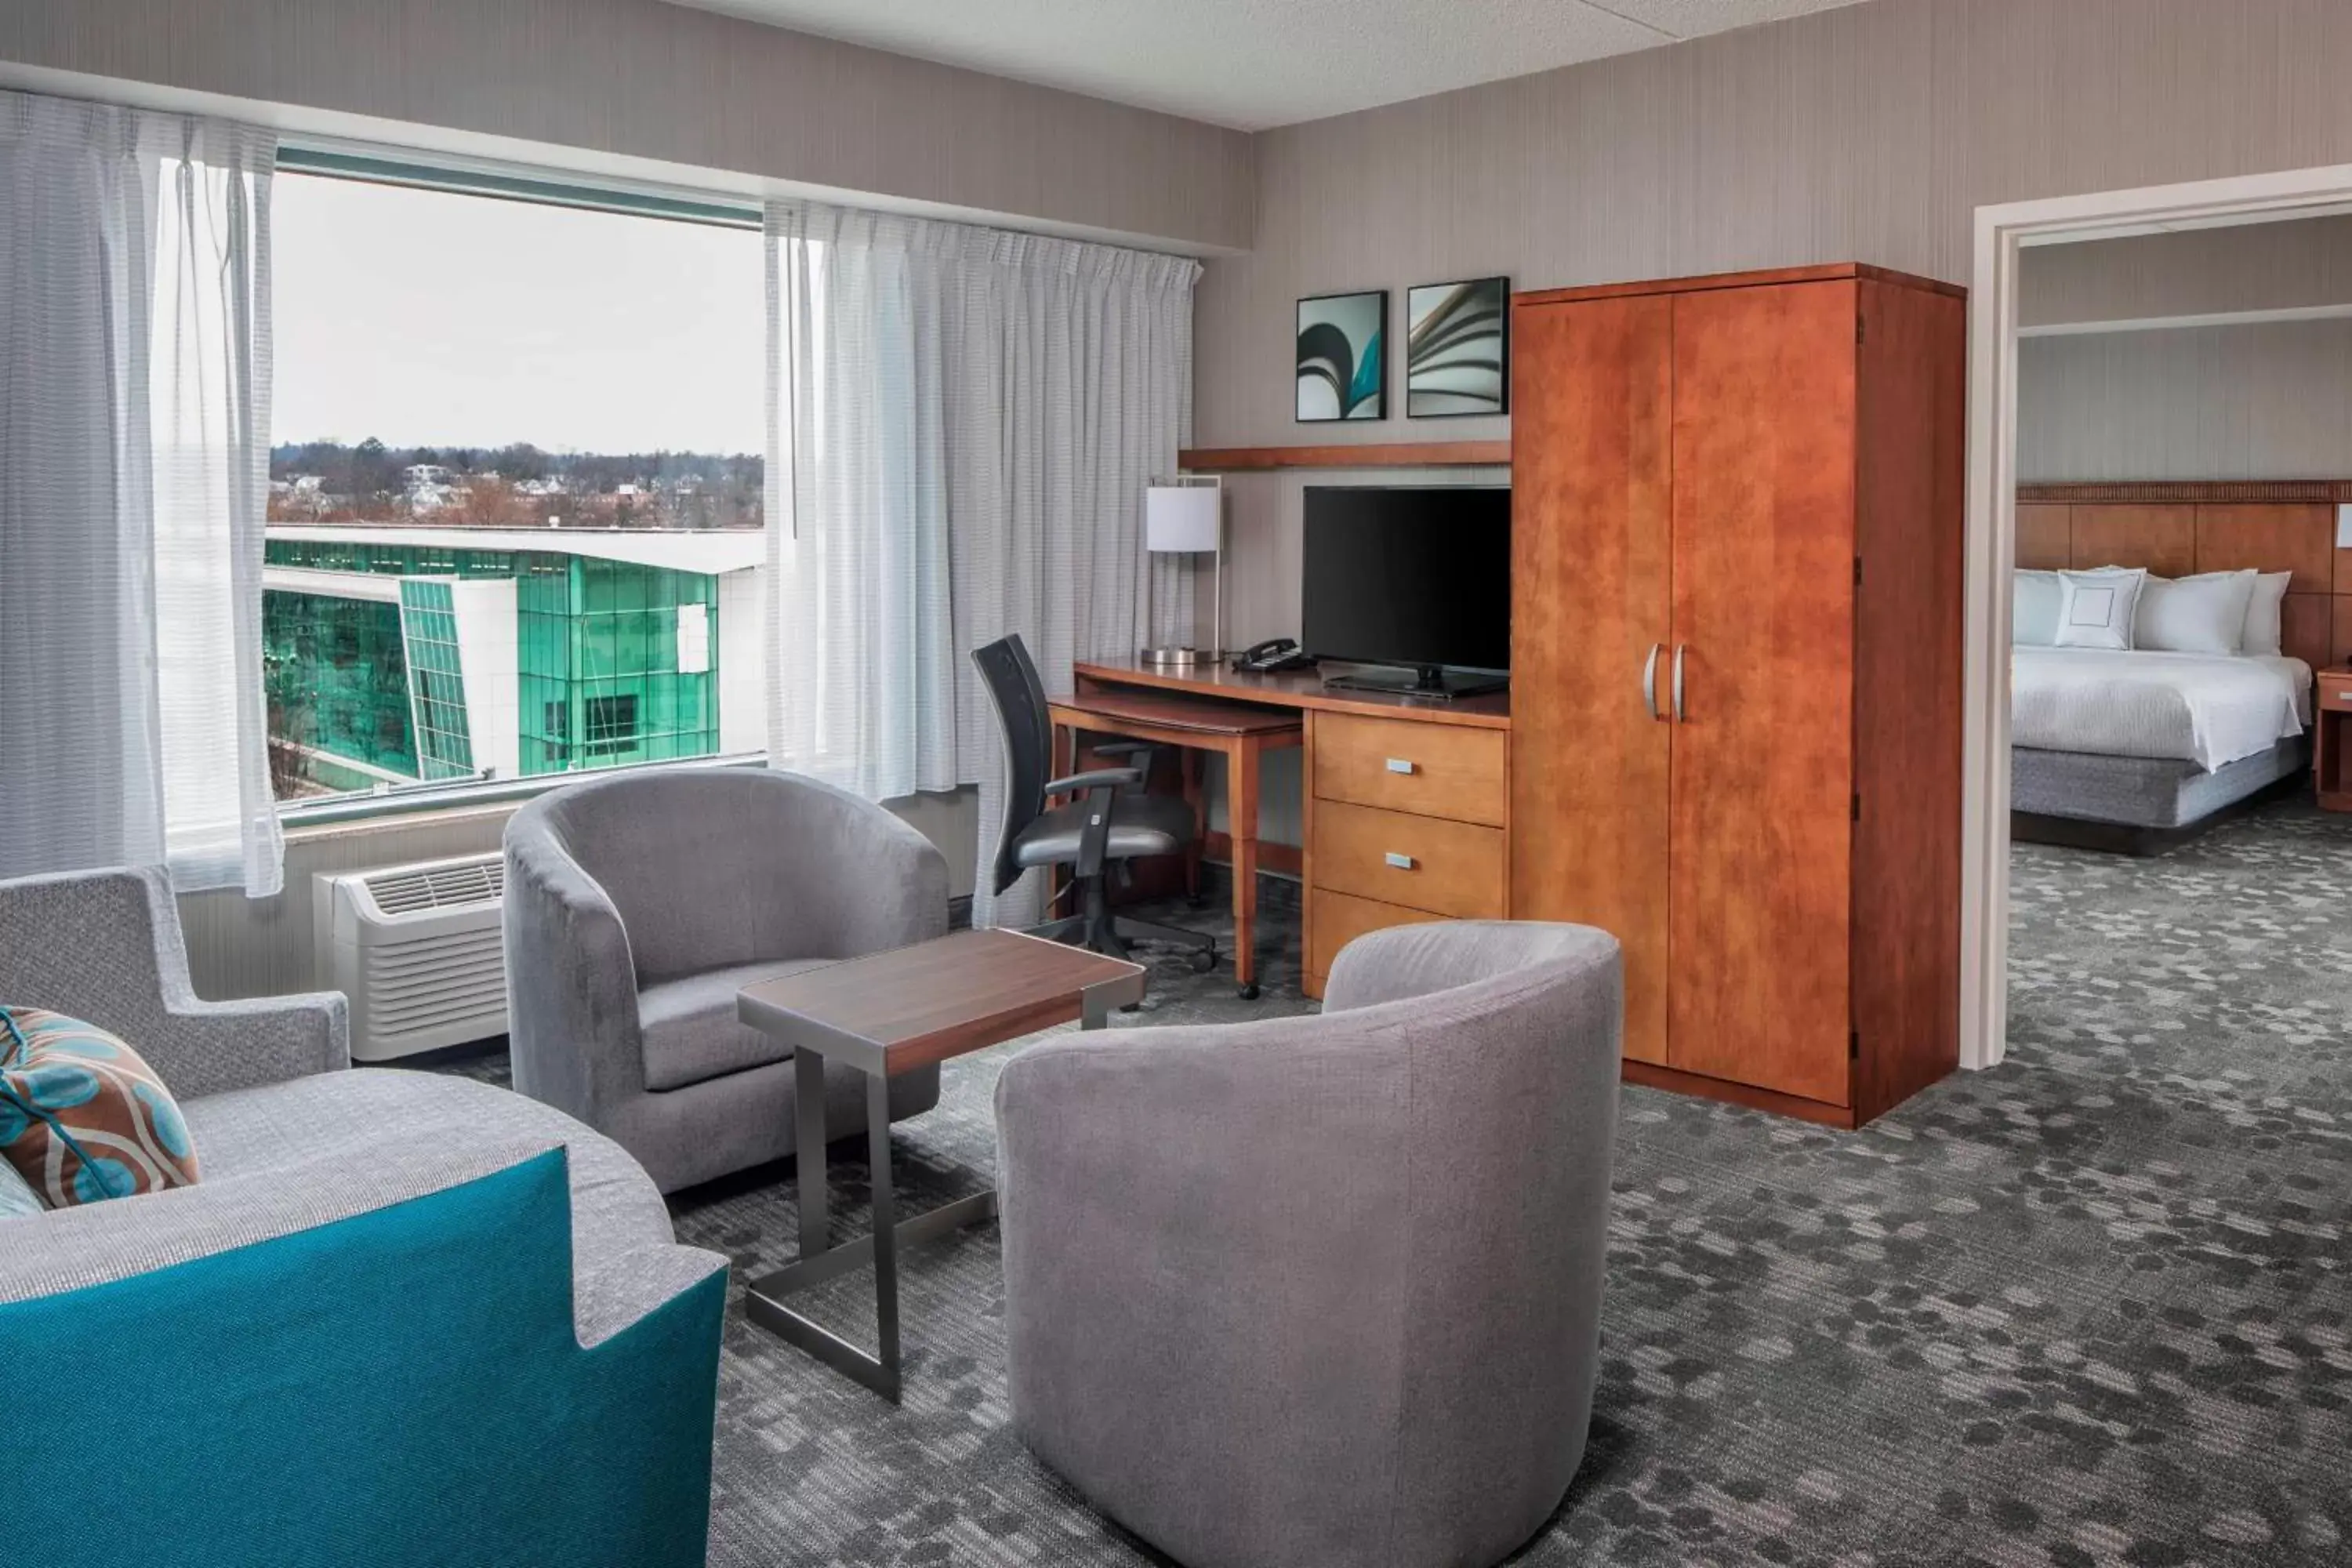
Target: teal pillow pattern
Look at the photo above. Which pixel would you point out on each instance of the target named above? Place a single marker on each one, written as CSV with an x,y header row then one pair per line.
x,y
82,1116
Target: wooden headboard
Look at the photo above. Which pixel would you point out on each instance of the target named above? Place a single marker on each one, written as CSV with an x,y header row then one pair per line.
x,y
2177,530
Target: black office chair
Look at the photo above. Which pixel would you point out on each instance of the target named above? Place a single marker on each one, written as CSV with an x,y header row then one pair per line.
x,y
1109,820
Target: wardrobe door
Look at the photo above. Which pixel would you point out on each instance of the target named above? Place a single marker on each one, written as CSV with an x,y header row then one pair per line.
x,y
1590,586
1763,633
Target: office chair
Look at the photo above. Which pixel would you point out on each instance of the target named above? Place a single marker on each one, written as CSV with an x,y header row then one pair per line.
x,y
1108,822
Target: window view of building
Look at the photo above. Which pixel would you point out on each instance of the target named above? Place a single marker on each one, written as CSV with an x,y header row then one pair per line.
x,y
560,570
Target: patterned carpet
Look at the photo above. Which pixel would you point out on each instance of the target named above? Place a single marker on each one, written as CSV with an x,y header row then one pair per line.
x,y
2088,1309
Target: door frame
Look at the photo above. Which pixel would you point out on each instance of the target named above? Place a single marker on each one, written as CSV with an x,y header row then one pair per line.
x,y
2001,234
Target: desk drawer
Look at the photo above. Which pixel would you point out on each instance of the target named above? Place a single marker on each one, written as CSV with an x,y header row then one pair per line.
x,y
2335,694
1402,764
1418,862
1338,919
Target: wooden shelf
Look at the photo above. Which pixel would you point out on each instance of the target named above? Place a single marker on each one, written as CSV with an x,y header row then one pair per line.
x,y
1381,455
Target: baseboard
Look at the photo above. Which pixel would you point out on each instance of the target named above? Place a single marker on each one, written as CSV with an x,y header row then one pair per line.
x,y
1649,1075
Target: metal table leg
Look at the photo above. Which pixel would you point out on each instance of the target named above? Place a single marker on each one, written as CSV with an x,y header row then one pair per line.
x,y
820,1260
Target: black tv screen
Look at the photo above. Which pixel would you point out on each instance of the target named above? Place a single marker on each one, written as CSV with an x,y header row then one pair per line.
x,y
1409,577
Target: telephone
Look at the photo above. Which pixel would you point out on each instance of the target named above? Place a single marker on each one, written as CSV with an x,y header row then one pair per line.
x,y
1273,656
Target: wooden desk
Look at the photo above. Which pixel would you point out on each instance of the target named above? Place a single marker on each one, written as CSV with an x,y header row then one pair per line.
x,y
2331,745
1241,732
1407,801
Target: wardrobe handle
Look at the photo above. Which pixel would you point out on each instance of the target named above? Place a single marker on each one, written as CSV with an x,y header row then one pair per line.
x,y
1402,862
1680,717
1650,682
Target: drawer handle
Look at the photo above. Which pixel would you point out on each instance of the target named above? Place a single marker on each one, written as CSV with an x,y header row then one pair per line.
x,y
1402,862
1402,766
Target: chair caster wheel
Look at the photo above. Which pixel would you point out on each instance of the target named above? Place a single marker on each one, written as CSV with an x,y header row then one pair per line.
x,y
1204,960
1249,992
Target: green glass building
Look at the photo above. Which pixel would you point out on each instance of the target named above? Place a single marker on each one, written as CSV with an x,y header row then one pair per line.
x,y
402,654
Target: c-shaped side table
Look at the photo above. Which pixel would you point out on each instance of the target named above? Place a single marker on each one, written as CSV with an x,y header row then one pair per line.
x,y
886,1015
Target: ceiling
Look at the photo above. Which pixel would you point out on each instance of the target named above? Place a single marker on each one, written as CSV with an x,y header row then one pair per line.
x,y
1255,64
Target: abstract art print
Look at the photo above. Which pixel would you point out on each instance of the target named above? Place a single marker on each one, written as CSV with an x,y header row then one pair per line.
x,y
1342,357
1457,348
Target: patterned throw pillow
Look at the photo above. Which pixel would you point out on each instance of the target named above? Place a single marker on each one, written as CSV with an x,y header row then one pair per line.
x,y
82,1116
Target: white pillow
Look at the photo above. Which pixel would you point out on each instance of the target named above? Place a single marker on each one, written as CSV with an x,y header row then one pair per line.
x,y
2262,630
2096,608
2204,613
2034,615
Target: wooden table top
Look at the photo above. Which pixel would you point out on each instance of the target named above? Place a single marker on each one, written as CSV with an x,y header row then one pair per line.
x,y
915,1005
1294,691
1172,711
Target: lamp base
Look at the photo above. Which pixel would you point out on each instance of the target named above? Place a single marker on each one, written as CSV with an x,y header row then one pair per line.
x,y
1178,658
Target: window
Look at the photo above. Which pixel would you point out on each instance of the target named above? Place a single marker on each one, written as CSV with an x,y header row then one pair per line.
x,y
612,725
515,485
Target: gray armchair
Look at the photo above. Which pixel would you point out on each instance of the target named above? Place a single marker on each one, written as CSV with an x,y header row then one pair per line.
x,y
638,905
1324,1289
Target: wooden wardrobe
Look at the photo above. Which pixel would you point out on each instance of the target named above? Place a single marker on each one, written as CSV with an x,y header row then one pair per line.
x,y
1736,670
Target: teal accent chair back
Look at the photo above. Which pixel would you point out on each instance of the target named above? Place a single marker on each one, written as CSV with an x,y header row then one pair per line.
x,y
401,1388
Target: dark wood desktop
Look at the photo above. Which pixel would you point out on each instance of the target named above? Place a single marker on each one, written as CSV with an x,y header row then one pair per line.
x,y
1406,800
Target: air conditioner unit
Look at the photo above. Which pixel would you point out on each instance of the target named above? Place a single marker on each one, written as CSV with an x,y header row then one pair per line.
x,y
418,950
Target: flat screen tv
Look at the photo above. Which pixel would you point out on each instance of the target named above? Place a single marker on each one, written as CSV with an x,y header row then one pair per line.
x,y
1415,578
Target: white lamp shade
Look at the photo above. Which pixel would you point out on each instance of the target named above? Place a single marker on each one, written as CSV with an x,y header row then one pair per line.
x,y
1181,519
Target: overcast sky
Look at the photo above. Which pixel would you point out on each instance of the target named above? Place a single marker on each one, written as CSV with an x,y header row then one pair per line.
x,y
426,318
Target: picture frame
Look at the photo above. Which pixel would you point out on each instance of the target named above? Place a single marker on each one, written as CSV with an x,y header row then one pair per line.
x,y
1340,363
1458,349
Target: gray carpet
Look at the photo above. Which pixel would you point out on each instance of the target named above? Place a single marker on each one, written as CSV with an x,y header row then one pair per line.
x,y
2088,1309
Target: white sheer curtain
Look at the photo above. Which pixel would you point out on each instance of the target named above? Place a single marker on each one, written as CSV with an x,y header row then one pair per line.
x,y
134,430
963,421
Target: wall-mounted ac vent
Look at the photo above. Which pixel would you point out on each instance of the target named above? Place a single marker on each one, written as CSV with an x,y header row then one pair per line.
x,y
418,952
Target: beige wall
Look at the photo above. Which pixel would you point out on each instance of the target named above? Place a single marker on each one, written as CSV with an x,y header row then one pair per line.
x,y
1867,133
2199,399
262,947
2260,402
2300,265
647,81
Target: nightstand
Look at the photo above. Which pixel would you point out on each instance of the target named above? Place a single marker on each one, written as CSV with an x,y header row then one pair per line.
x,y
2331,742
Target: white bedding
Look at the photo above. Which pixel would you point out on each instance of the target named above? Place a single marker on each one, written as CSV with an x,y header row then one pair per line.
x,y
2206,709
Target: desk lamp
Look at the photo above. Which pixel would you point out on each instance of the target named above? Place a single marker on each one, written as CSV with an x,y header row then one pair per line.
x,y
1187,520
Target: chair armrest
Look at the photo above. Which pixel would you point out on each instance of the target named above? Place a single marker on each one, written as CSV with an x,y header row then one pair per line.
x,y
620,1293
105,947
243,1044
1099,778
572,1030
1402,962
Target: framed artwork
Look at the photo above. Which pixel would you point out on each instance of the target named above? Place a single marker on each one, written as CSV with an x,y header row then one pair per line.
x,y
1457,349
1343,357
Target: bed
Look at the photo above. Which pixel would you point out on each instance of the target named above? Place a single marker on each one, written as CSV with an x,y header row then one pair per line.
x,y
2149,741
2136,749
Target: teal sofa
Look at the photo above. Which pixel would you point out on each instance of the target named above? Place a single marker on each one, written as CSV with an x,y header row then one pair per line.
x,y
404,1321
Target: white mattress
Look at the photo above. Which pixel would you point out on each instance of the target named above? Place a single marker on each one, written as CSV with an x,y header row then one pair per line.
x,y
2198,708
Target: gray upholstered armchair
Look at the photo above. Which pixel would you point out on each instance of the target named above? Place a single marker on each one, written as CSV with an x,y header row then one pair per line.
x,y
637,908
1324,1289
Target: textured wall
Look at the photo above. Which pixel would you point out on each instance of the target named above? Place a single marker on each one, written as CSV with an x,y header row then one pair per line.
x,y
1869,133
2301,264
650,80
2261,402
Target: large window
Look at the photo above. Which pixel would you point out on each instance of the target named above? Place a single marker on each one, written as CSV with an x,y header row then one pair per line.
x,y
515,487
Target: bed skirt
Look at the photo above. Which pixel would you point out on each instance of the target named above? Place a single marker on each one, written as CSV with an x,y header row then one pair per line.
x,y
2142,792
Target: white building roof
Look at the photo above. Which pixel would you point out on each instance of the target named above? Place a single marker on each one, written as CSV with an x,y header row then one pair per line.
x,y
713,550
